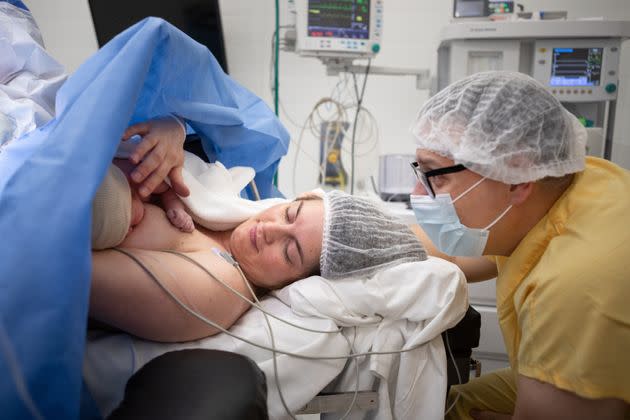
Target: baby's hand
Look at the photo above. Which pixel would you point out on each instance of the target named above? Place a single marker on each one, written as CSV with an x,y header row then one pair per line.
x,y
181,220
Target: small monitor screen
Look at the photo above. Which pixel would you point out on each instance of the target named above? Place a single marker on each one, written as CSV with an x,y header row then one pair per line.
x,y
469,8
576,66
339,19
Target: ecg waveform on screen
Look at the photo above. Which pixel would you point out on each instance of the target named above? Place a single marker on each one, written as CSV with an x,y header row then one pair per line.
x,y
576,66
339,19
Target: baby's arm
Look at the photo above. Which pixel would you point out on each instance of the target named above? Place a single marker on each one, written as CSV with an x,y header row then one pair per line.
x,y
176,211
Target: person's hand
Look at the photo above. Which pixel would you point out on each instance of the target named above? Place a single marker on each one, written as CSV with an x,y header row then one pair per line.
x,y
488,415
158,155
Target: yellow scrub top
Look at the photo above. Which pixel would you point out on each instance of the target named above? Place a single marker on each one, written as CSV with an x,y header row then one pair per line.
x,y
563,296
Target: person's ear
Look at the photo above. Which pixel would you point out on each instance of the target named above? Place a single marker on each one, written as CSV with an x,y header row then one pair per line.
x,y
519,193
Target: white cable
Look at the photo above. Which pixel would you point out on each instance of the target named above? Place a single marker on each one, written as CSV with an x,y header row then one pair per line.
x,y
255,304
372,145
356,365
297,154
258,305
286,114
218,327
245,340
265,315
459,378
273,344
356,117
273,349
313,125
315,119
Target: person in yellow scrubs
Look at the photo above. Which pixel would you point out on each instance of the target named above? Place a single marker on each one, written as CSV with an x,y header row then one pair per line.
x,y
505,190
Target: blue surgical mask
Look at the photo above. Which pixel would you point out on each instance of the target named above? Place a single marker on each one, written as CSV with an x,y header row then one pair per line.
x,y
440,222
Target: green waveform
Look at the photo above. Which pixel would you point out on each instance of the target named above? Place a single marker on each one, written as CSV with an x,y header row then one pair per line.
x,y
334,7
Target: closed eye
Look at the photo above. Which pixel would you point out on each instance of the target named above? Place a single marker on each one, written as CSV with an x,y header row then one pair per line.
x,y
297,243
286,254
286,247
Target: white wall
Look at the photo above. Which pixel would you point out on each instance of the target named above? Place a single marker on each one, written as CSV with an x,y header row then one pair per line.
x,y
67,29
410,39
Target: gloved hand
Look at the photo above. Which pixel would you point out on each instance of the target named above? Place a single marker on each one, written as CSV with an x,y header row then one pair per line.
x,y
158,155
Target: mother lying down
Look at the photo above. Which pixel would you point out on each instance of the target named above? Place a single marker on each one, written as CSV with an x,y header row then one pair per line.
x,y
336,235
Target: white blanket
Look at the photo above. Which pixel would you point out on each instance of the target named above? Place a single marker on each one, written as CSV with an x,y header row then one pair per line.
x,y
398,308
412,304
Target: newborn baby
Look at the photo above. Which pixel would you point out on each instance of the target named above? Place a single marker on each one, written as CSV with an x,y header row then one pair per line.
x,y
118,207
171,203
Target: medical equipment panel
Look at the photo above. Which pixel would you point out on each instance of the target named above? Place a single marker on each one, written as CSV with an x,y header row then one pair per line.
x,y
332,173
333,28
500,7
482,8
577,61
583,70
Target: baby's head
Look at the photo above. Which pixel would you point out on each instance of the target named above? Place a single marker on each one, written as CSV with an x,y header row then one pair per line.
x,y
111,210
336,235
137,206
116,208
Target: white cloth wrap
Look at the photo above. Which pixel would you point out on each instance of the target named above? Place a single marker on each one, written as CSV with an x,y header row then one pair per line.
x,y
214,200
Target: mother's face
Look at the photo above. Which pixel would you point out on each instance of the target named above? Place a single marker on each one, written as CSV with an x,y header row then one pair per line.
x,y
281,244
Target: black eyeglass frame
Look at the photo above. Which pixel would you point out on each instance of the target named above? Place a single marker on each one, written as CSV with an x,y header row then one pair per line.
x,y
425,177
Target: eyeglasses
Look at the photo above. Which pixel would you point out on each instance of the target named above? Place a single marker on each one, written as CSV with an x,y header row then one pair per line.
x,y
424,177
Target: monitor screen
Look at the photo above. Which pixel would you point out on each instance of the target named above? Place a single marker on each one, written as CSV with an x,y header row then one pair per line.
x,y
576,66
199,19
469,8
339,19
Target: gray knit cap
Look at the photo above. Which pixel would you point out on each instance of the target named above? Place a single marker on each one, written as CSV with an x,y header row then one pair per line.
x,y
361,238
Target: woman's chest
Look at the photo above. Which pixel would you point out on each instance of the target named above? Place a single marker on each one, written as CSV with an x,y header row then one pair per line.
x,y
155,232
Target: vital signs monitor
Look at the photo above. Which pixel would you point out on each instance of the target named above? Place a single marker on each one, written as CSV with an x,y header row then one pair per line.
x,y
339,28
